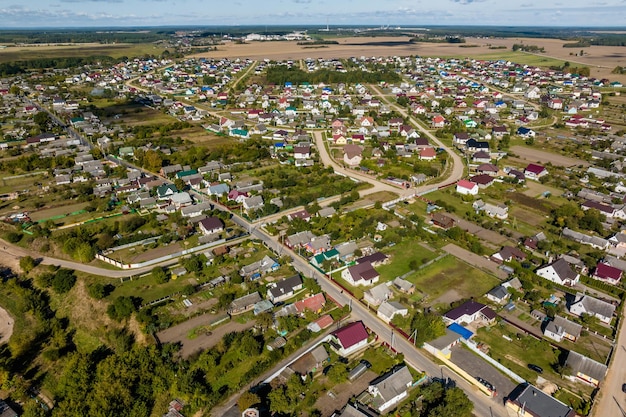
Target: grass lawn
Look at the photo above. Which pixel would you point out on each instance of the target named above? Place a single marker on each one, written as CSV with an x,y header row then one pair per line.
x,y
21,183
452,199
42,215
147,288
379,358
451,274
518,57
401,255
517,354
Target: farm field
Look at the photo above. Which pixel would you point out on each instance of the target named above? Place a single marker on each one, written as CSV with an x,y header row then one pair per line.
x,y
17,53
602,59
50,213
534,155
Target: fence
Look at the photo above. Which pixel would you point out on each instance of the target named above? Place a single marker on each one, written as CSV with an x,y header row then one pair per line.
x,y
158,260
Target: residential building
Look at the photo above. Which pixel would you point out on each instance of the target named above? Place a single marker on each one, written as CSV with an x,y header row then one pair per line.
x,y
284,289
211,225
585,304
376,295
469,312
534,171
361,274
560,328
528,399
466,187
349,338
559,272
389,309
586,369
391,388
607,273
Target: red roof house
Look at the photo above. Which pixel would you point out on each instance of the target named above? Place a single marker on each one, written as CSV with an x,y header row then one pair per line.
x,y
534,171
350,338
607,273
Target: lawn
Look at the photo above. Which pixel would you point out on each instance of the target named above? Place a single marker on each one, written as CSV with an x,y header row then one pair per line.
x,y
517,57
147,288
10,183
47,213
401,256
450,279
380,359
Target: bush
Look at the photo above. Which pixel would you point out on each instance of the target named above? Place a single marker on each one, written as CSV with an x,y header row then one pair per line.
x,y
99,290
122,308
13,237
63,281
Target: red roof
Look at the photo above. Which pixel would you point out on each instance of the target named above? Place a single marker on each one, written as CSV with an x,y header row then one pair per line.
x,y
428,153
606,271
466,184
535,169
314,303
351,334
324,321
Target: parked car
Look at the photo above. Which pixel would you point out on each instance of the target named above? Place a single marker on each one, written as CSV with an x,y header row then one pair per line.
x,y
486,383
623,387
535,368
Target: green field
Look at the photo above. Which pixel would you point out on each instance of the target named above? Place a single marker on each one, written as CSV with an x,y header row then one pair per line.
x,y
517,57
450,279
401,255
22,53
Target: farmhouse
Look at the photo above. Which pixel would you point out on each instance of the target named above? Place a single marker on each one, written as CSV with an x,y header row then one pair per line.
x,y
560,328
361,274
585,304
585,368
534,171
389,389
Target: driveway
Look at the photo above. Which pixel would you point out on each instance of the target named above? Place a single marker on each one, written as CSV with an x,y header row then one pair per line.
x,y
477,367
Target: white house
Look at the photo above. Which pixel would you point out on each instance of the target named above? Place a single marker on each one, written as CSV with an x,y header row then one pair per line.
x,y
585,304
349,338
559,272
469,312
389,309
361,274
560,328
466,187
211,225
391,388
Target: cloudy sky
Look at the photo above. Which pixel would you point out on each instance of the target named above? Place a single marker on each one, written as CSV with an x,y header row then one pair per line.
x,y
85,13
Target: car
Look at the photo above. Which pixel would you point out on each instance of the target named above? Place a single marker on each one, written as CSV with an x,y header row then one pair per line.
x,y
486,383
535,368
623,387
366,363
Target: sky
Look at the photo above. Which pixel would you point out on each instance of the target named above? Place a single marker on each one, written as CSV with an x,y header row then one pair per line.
x,y
107,13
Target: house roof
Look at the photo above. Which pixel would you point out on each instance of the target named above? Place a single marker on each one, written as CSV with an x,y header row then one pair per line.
x,y
485,167
286,286
380,292
428,153
606,271
389,308
562,269
539,404
470,308
375,257
593,305
351,334
585,366
212,223
393,383
499,292
482,179
324,321
364,271
309,361
457,328
604,208
445,340
535,169
466,184
313,303
568,326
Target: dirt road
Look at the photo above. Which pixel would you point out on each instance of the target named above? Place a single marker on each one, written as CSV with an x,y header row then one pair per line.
x,y
6,326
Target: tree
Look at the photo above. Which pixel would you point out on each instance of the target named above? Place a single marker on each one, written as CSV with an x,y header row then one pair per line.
x,y
428,326
122,308
63,281
99,290
160,275
42,119
247,400
27,263
338,373
265,320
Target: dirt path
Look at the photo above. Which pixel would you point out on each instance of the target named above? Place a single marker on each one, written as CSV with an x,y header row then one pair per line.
x,y
6,326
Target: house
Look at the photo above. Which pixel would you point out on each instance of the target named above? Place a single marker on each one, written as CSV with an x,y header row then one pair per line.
x,y
349,338
244,304
300,239
607,273
587,369
378,294
438,122
352,154
428,154
356,410
534,171
466,187
585,304
560,328
211,225
508,254
443,221
404,286
258,268
300,214
390,388
6,410
559,272
486,169
389,309
525,132
165,191
469,312
196,209
170,170
314,303
441,346
253,203
498,294
310,362
482,180
284,289
180,200
218,189
361,274
529,400
320,324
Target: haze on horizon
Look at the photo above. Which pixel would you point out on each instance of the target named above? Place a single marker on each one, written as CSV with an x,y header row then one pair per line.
x,y
133,13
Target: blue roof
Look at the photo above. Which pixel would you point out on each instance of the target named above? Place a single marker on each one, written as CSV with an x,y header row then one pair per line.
x,y
457,328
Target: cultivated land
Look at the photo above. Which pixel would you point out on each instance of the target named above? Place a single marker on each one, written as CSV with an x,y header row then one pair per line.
x,y
536,156
601,59
19,53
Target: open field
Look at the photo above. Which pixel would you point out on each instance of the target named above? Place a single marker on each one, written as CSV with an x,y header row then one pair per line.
x,y
48,213
535,155
20,53
601,59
